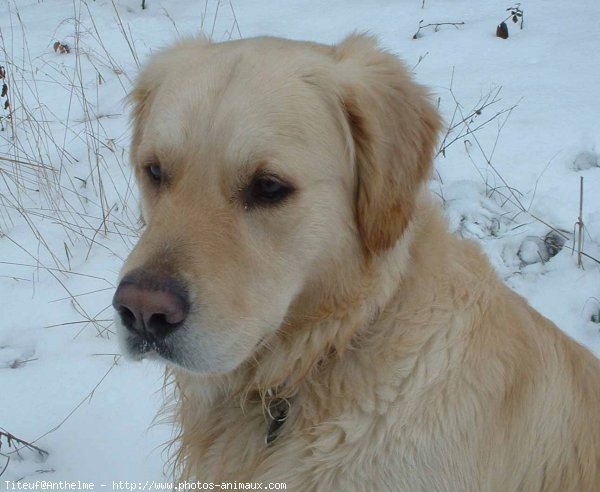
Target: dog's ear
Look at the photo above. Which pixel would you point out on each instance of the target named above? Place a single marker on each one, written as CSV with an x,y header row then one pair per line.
x,y
394,129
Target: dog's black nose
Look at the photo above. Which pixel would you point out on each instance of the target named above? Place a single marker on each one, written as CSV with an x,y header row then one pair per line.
x,y
151,304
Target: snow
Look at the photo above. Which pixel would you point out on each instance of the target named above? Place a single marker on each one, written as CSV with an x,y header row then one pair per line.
x,y
69,217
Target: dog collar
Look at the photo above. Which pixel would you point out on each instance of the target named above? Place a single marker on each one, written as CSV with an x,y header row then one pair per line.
x,y
278,410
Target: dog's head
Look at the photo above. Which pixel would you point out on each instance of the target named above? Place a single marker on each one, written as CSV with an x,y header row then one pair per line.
x,y
263,165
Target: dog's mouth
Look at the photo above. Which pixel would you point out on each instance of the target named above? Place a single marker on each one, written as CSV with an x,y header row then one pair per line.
x,y
144,346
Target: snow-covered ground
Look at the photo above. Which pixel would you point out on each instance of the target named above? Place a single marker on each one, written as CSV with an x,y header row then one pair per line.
x,y
524,127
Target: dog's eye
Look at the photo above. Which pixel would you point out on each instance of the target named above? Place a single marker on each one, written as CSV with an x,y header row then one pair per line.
x,y
154,173
266,190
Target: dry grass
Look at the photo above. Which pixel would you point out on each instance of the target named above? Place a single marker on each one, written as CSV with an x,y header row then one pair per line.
x,y
465,127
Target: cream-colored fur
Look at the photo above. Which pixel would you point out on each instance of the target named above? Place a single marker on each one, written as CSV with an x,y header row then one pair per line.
x,y
408,364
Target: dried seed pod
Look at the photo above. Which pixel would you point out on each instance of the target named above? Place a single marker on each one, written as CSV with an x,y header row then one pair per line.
x,y
61,48
502,31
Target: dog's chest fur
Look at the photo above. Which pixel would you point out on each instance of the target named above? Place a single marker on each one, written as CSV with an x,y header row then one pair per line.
x,y
358,423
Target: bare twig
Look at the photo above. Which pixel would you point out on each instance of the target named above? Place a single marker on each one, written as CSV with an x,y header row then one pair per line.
x,y
436,26
17,444
421,58
580,225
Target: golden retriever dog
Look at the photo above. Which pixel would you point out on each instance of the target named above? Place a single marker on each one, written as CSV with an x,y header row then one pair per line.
x,y
322,326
